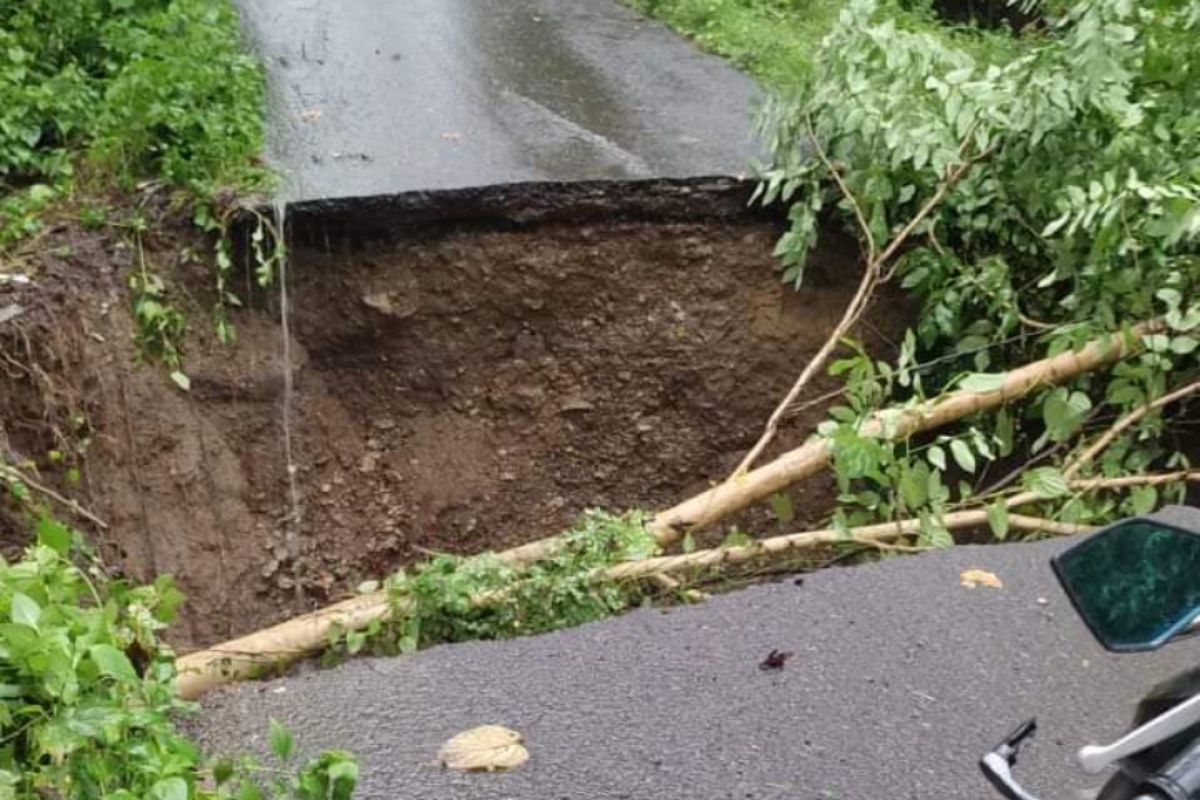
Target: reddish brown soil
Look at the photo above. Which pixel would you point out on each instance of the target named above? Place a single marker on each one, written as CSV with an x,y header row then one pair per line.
x,y
460,390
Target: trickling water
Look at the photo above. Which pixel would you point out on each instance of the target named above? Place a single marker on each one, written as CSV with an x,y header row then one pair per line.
x,y
285,327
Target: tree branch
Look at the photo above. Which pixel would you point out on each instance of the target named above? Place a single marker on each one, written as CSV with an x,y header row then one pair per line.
x,y
1097,447
12,473
870,278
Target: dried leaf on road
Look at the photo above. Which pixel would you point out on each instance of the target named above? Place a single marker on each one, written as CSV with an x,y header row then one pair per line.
x,y
980,577
487,748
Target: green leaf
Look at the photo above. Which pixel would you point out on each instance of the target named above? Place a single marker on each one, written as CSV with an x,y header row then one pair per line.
x,y
1182,345
53,534
222,771
1005,432
8,785
781,507
343,775
112,662
1048,482
937,456
170,789
1142,499
248,791
962,455
983,381
25,610
1064,412
914,487
181,380
934,533
997,517
281,741
688,545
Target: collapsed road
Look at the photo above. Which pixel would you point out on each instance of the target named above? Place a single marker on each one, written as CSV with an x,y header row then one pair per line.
x,y
901,678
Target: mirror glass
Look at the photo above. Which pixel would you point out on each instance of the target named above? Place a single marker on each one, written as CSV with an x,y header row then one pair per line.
x,y
1135,584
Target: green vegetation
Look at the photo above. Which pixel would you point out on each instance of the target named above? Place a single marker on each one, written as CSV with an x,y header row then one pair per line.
x,y
97,91
449,599
774,40
102,100
778,41
128,95
1045,187
87,697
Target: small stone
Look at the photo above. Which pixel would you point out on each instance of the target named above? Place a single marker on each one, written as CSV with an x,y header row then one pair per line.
x,y
326,488
1041,601
575,404
507,476
270,568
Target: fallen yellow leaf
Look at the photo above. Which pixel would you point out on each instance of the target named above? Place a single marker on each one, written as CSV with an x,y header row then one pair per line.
x,y
487,748
980,577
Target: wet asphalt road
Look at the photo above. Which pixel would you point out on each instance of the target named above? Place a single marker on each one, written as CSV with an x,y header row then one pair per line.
x,y
901,678
375,97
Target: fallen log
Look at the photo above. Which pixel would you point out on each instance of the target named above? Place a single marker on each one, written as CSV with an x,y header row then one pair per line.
x,y
255,653
895,424
882,532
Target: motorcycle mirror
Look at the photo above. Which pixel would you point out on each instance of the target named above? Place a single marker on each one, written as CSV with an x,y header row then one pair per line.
x,y
1136,583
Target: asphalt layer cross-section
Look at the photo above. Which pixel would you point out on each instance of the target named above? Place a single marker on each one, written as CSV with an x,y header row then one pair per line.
x,y
901,678
383,97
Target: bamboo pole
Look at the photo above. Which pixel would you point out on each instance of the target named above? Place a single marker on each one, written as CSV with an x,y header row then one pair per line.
x,y
808,459
249,655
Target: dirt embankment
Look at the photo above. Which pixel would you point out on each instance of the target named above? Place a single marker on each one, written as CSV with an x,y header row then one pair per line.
x,y
459,388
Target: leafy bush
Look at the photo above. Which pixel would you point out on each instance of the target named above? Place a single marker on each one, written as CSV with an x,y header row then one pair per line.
x,y
87,698
146,88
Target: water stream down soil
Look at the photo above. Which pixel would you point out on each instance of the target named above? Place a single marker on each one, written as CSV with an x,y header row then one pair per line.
x,y
454,386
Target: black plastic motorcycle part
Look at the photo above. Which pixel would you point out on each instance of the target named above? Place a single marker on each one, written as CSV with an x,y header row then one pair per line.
x,y
1180,778
997,765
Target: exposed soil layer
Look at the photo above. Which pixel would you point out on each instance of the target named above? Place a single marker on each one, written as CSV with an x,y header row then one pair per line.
x,y
457,388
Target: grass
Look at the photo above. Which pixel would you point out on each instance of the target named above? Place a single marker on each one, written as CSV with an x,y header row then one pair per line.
x,y
773,40
777,41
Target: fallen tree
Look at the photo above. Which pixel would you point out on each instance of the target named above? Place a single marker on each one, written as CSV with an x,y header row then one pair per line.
x,y
251,655
275,647
894,424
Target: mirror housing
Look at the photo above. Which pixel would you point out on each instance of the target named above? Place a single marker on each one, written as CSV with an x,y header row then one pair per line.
x,y
1136,583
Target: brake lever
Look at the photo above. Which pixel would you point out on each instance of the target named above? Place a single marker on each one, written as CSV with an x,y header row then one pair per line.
x,y
997,765
1011,745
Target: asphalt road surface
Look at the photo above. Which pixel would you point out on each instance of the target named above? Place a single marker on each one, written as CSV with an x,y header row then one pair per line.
x,y
382,97
901,678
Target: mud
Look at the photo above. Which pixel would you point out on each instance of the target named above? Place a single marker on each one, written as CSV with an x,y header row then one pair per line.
x,y
460,387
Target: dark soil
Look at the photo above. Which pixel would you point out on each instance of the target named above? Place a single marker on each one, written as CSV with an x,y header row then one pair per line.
x,y
456,389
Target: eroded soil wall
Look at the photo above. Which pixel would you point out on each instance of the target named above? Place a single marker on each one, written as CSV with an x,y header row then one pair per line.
x,y
460,387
